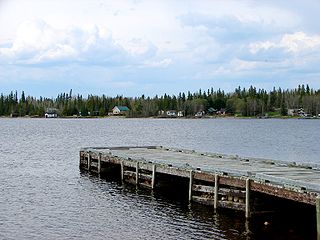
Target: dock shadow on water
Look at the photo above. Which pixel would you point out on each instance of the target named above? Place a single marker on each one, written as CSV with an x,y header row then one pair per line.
x,y
166,213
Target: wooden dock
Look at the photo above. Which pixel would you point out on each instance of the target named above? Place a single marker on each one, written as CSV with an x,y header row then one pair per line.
x,y
223,181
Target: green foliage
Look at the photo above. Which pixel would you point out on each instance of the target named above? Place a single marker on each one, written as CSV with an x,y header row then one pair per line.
x,y
242,102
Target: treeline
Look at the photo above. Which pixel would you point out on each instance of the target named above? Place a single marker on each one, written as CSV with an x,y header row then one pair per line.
x,y
243,102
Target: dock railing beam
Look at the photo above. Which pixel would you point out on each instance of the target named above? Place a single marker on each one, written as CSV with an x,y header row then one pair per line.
x,y
216,188
153,180
137,173
247,198
190,184
318,216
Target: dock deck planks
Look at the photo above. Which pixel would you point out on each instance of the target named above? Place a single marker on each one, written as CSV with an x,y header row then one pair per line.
x,y
282,173
224,181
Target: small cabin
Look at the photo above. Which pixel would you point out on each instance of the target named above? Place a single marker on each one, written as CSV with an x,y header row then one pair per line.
x,y
120,110
51,113
180,114
171,113
200,114
296,112
212,111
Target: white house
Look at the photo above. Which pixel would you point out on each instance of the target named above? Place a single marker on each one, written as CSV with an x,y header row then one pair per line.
x,y
51,113
171,113
180,114
120,110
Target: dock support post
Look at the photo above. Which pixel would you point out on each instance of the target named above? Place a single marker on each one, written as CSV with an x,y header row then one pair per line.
x,y
153,181
190,184
137,173
247,198
216,188
122,171
89,161
99,163
318,216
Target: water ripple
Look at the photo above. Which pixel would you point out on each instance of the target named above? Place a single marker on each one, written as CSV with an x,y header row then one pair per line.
x,y
43,195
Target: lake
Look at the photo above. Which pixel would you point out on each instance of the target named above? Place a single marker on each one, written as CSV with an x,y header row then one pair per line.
x,y
43,195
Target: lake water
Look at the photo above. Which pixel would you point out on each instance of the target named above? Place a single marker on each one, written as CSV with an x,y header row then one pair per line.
x,y
44,196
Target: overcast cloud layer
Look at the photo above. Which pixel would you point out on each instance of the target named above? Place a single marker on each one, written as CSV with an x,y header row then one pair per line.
x,y
153,47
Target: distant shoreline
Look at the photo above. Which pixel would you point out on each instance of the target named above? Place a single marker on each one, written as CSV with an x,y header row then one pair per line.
x,y
153,117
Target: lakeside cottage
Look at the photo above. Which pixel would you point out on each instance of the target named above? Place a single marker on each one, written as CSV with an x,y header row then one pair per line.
x,y
170,114
51,113
120,110
300,112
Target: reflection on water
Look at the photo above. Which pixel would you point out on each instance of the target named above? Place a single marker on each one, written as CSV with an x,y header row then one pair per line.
x,y
44,196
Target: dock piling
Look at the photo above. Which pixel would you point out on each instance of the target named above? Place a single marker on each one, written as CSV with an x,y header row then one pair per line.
x,y
153,180
99,163
216,187
318,216
137,173
222,189
190,184
247,198
122,170
89,161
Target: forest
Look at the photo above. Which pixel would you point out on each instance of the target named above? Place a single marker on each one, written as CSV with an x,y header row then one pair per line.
x,y
242,102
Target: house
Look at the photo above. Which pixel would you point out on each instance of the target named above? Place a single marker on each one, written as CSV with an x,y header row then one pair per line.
x,y
291,112
171,113
212,111
222,111
51,113
296,112
120,110
14,114
180,114
200,114
161,113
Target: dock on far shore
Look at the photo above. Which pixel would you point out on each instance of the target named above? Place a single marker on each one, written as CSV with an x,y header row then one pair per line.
x,y
223,181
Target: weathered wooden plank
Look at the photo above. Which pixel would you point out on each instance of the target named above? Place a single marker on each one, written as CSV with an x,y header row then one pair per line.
x,y
129,174
232,205
111,159
142,176
203,200
145,177
203,188
303,197
172,171
232,192
145,185
146,166
232,181
94,164
204,176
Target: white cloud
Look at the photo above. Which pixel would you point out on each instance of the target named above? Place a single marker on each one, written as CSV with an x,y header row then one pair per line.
x,y
161,63
299,42
295,43
161,43
36,42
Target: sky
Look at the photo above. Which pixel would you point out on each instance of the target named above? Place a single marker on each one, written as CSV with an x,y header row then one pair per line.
x,y
152,47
